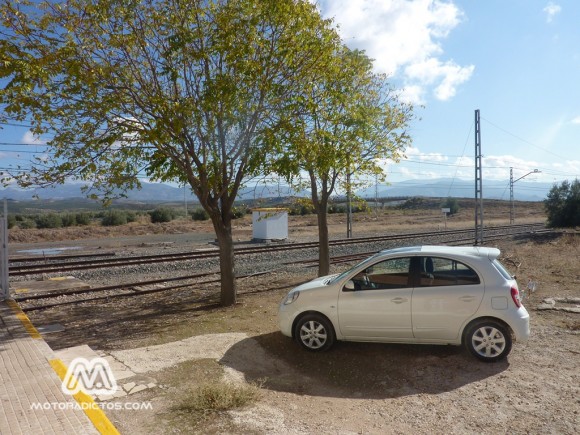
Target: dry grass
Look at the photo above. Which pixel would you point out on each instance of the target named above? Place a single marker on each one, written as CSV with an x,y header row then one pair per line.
x,y
220,396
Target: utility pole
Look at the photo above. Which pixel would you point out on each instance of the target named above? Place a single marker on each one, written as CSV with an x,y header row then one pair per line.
x,y
512,211
348,201
185,199
4,286
512,181
478,183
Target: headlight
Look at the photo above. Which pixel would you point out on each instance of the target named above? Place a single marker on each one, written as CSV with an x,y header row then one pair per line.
x,y
291,297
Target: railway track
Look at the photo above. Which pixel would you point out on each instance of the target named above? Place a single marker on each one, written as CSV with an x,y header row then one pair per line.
x,y
54,264
144,287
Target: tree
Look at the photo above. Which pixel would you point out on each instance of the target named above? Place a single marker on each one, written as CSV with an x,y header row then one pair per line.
x,y
562,204
452,204
346,121
179,91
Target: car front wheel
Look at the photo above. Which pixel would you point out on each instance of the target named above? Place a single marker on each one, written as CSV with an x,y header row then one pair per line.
x,y
315,333
488,341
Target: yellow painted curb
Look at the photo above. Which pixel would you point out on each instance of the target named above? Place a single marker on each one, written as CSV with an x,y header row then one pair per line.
x,y
88,405
24,319
86,402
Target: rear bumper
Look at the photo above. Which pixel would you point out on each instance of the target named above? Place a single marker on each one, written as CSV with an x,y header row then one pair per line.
x,y
521,327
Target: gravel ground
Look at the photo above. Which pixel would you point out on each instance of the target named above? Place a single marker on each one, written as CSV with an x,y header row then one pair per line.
x,y
354,388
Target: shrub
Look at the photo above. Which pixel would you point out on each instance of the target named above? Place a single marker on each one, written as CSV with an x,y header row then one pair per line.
x,y
26,223
359,207
301,207
114,218
162,214
412,203
131,216
336,208
452,204
11,221
221,397
50,220
69,220
199,214
238,212
83,218
563,204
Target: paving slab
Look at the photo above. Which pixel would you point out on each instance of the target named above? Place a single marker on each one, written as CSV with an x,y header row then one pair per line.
x,y
31,399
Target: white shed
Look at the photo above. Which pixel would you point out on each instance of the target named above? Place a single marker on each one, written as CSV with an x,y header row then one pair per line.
x,y
270,223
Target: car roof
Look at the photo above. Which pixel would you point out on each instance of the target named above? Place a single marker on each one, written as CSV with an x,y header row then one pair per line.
x,y
463,251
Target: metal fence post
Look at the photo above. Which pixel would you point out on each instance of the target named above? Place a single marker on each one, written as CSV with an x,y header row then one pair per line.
x,y
4,288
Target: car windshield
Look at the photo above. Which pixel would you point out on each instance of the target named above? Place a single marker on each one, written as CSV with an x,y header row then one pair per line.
x,y
347,272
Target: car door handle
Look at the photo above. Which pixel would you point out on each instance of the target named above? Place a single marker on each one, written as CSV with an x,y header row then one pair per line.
x,y
399,300
467,298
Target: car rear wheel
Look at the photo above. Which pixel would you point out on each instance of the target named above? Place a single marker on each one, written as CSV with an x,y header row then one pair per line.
x,y
315,333
488,341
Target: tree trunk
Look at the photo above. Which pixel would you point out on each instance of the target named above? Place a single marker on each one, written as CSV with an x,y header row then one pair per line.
x,y
323,248
228,295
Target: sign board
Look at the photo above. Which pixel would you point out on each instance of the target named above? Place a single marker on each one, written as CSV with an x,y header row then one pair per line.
x,y
445,210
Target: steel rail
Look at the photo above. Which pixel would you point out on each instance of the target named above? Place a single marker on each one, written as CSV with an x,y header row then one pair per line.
x,y
183,256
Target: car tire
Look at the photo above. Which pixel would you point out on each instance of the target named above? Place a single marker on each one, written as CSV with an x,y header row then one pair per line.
x,y
315,333
488,340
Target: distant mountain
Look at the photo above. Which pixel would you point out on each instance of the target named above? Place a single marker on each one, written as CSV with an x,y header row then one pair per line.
x,y
151,192
441,188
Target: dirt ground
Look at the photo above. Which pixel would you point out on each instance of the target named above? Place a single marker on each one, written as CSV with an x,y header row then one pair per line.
x,y
355,387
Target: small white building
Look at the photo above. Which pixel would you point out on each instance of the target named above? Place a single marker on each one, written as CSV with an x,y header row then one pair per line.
x,y
269,224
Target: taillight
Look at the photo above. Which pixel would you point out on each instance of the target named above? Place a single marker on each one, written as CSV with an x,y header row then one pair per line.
x,y
516,297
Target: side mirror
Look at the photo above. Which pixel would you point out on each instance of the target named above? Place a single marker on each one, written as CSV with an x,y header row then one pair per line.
x,y
348,286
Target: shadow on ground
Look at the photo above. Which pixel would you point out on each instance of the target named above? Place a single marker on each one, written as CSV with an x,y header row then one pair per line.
x,y
356,370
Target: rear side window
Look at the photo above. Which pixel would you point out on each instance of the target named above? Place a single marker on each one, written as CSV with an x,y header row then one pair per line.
x,y
502,270
437,271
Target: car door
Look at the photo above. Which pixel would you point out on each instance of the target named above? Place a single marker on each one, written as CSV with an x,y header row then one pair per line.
x,y
379,306
446,293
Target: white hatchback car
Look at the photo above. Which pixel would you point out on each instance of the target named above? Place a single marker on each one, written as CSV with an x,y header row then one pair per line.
x,y
423,294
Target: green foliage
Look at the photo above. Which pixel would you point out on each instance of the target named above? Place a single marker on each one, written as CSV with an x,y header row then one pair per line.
x,y
355,207
69,219
11,221
336,208
26,223
197,92
301,207
163,214
452,204
83,218
413,203
562,204
114,218
239,212
50,220
199,214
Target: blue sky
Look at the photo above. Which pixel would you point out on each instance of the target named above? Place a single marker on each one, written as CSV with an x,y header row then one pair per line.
x,y
517,61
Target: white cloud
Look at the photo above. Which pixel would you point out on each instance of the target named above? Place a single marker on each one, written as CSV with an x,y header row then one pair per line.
x,y
551,11
420,165
30,138
576,120
403,35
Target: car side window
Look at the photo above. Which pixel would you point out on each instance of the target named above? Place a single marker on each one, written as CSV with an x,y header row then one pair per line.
x,y
437,271
388,274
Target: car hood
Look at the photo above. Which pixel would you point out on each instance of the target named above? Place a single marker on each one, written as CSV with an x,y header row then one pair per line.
x,y
315,283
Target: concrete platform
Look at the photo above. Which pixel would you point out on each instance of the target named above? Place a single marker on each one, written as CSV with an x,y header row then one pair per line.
x,y
31,398
47,286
